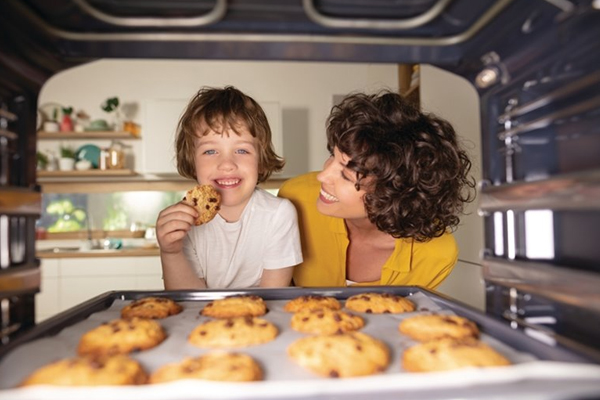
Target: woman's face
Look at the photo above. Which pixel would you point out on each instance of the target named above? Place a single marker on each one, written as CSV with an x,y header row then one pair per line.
x,y
339,197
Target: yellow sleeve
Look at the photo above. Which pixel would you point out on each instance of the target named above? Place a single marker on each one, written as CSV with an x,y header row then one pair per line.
x,y
433,261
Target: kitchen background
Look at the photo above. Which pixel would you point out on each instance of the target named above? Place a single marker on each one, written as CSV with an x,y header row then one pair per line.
x,y
115,210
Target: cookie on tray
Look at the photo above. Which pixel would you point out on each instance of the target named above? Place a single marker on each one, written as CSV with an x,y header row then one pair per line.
x,y
233,332
311,302
379,303
325,321
89,371
121,336
235,306
431,327
206,200
214,366
151,307
341,355
450,354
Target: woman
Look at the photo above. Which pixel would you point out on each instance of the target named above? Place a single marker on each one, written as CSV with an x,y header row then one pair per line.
x,y
382,210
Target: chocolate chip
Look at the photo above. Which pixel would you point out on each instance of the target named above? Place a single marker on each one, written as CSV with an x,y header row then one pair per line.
x,y
334,374
212,200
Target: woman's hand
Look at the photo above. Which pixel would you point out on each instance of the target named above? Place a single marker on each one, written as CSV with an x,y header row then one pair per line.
x,y
172,225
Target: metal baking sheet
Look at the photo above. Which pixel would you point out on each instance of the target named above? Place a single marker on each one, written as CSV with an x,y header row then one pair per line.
x,y
58,338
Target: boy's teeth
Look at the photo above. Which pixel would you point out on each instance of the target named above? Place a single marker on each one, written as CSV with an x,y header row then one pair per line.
x,y
228,182
328,196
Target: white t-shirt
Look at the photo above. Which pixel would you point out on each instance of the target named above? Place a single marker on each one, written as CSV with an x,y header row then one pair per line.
x,y
233,255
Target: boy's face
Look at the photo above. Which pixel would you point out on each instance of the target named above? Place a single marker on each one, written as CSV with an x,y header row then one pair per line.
x,y
228,162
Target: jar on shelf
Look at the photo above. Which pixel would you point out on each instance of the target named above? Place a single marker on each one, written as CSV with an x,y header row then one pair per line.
x,y
116,156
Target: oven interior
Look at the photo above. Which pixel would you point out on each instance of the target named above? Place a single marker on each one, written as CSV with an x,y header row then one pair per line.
x,y
534,64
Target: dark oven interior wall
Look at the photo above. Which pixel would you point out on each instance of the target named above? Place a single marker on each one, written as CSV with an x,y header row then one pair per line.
x,y
541,144
531,50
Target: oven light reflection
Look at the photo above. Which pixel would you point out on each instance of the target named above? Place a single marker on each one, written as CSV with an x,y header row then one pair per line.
x,y
498,234
539,234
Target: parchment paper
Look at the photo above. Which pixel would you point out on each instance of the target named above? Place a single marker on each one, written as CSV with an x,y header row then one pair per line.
x,y
280,372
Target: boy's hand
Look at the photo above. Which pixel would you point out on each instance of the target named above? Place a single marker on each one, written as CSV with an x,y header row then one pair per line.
x,y
173,224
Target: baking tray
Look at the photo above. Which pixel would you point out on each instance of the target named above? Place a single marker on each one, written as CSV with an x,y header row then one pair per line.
x,y
538,367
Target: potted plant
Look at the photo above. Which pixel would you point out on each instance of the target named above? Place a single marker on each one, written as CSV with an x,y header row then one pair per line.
x,y
66,125
111,105
66,162
52,125
42,161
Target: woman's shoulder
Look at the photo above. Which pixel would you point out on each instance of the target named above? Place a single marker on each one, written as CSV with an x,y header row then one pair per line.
x,y
443,246
299,186
268,201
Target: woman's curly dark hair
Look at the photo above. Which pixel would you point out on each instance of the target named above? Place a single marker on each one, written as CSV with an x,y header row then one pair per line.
x,y
417,171
221,109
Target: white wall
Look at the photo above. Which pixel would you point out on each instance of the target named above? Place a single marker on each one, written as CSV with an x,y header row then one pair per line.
x,y
455,99
304,92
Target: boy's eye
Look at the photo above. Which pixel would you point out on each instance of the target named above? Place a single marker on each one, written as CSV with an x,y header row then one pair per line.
x,y
243,151
209,152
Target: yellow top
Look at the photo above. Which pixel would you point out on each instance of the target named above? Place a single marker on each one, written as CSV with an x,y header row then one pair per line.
x,y
325,241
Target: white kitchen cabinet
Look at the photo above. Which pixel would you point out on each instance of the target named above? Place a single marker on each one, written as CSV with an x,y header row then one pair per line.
x,y
46,301
67,282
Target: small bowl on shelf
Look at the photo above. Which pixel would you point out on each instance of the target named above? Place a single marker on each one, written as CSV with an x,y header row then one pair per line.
x,y
83,165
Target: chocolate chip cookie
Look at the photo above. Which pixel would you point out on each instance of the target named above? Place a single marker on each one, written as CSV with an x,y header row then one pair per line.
x,y
214,366
341,355
325,321
379,303
121,336
206,200
89,371
151,307
432,327
450,354
233,332
235,306
311,302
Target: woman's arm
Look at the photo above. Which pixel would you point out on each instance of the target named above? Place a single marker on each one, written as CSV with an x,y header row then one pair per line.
x,y
276,277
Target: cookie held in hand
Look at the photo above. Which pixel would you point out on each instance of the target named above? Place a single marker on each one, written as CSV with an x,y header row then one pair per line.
x,y
206,200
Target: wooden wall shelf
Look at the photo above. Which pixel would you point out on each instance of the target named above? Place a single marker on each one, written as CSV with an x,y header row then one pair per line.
x,y
86,135
86,173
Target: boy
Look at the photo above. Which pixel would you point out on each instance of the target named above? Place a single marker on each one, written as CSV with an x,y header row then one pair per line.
x,y
224,140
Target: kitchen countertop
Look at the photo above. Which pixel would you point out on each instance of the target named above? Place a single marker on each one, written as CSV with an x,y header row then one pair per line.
x,y
77,249
126,252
